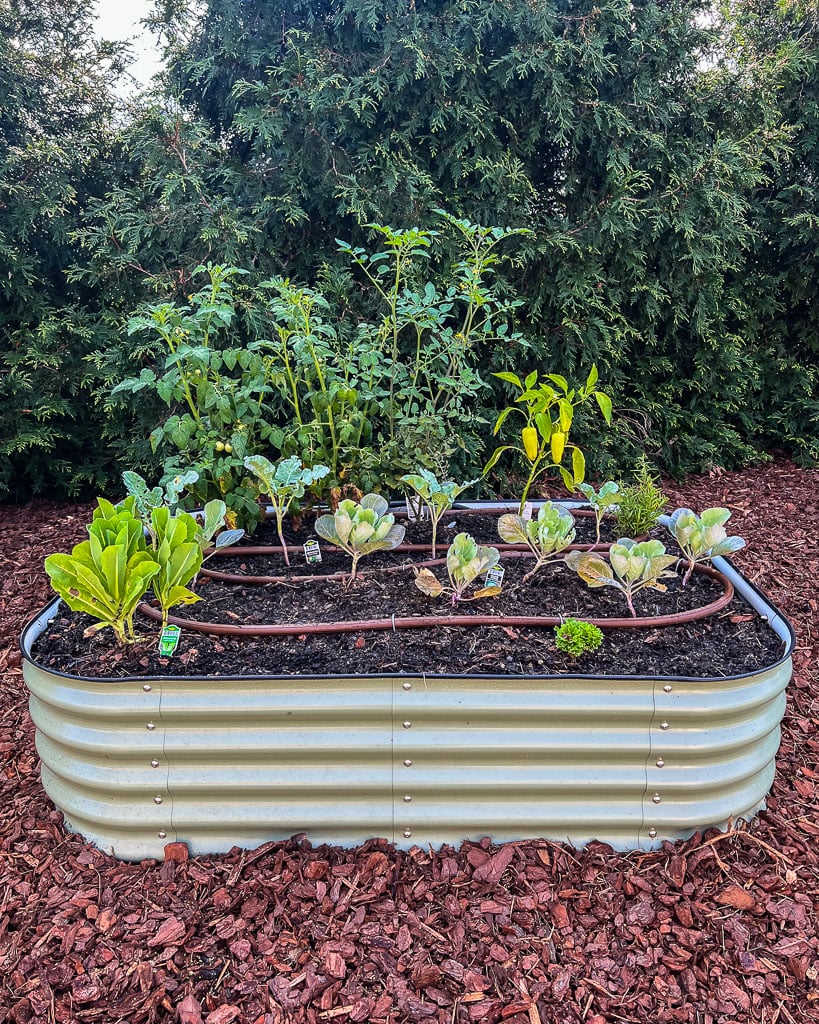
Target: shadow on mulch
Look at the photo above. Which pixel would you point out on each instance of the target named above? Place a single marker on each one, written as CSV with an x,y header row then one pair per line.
x,y
721,929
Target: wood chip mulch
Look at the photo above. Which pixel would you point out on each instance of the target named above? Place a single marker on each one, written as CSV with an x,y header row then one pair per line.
x,y
722,929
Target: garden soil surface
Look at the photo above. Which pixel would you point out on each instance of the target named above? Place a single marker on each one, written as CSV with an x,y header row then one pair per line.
x,y
721,929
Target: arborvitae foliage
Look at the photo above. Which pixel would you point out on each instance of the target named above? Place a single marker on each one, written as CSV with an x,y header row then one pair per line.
x,y
603,127
55,104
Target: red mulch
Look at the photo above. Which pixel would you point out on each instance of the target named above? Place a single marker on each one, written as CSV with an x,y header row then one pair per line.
x,y
721,929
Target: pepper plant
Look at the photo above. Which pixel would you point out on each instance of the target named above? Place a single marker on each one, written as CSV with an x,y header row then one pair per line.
x,y
704,537
547,407
360,528
284,483
465,561
436,495
546,536
631,567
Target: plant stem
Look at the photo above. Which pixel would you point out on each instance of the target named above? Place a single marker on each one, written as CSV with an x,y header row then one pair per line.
x,y
279,521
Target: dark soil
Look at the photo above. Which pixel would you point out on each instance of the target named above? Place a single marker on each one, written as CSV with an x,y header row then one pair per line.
x,y
732,642
721,929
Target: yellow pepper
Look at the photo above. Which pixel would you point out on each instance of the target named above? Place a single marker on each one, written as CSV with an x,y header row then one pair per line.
x,y
530,443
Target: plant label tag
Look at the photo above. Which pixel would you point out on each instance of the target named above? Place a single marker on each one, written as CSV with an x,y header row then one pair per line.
x,y
526,514
169,641
494,577
417,511
312,552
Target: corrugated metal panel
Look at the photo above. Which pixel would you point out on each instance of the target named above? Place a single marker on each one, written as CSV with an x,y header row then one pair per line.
x,y
137,763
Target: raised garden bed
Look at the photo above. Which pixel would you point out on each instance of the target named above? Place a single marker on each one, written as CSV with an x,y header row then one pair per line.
x,y
425,735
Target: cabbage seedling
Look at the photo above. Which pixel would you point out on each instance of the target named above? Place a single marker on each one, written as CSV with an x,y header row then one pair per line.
x,y
702,538
607,497
465,561
360,528
437,495
548,535
283,484
632,567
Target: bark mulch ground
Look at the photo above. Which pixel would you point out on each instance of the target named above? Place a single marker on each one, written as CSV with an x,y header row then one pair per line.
x,y
721,929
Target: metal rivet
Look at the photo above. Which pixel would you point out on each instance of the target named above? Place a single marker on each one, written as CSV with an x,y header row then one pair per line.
x,y
663,725
154,763
407,686
667,688
656,798
408,762
407,725
146,687
162,835
157,799
150,726
652,833
660,762
407,799
407,833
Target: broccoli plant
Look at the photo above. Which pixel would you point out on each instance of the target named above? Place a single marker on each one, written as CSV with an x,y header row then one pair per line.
x,y
576,637
465,561
631,567
600,501
436,495
283,483
702,538
360,528
548,535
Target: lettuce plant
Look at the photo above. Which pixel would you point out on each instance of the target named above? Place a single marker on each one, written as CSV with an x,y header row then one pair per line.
x,y
107,575
283,483
600,501
179,556
548,535
631,567
360,528
576,637
436,495
465,561
702,538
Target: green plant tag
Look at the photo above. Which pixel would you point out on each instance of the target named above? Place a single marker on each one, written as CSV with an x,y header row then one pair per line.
x,y
312,552
169,640
494,577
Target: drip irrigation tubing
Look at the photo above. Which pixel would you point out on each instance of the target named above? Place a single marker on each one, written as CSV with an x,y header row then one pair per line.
x,y
436,621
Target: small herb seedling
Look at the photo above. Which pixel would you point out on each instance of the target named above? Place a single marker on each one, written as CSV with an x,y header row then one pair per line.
x,y
631,567
600,501
283,483
576,637
465,561
437,496
359,528
546,537
702,538
641,503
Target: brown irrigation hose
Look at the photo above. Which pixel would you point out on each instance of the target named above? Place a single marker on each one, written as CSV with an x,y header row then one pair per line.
x,y
432,621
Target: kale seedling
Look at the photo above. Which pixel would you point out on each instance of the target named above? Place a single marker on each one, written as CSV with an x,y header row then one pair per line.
x,y
465,561
576,637
607,497
632,567
548,535
283,484
702,538
359,528
437,495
